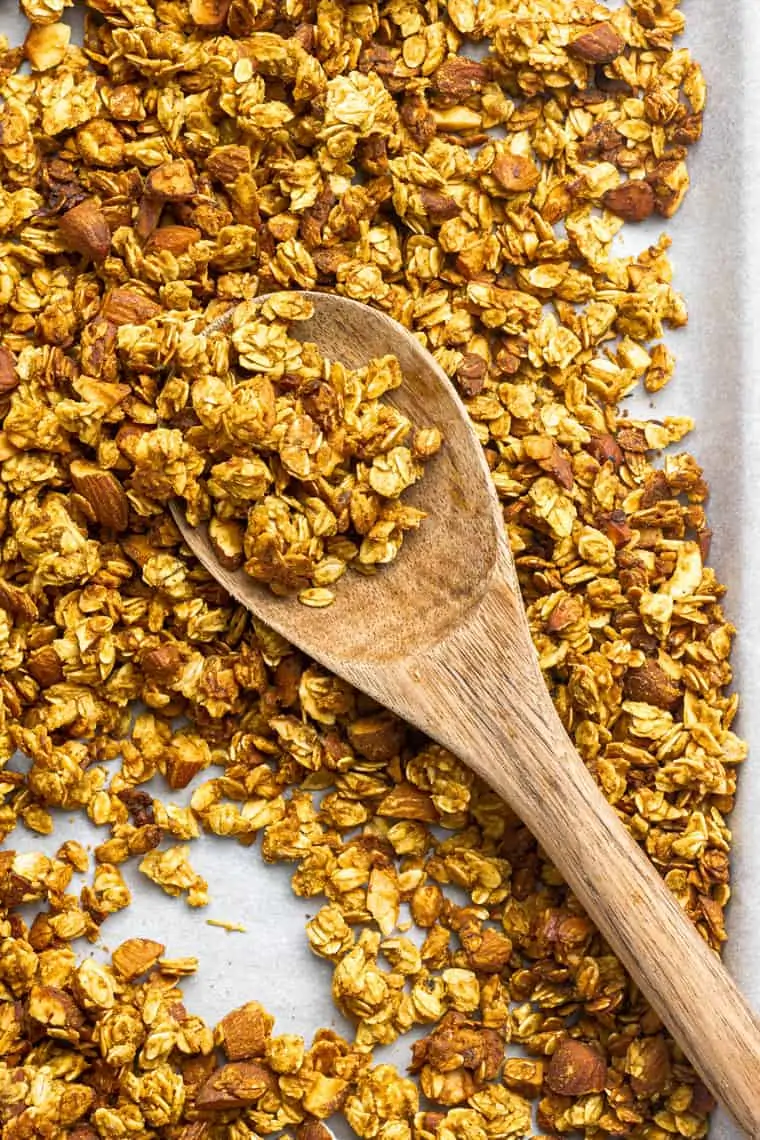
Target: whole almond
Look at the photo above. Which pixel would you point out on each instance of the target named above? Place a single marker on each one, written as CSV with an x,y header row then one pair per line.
x,y
652,685
515,173
103,492
163,663
600,43
459,77
174,239
45,666
634,201
127,307
576,1069
85,229
8,374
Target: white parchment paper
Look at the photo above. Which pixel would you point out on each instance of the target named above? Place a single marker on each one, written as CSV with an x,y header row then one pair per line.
x,y
716,253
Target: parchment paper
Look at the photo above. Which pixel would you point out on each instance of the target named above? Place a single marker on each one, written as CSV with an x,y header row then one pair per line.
x,y
716,252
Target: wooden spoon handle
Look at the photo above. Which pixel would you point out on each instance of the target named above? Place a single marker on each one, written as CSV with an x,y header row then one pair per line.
x,y
484,698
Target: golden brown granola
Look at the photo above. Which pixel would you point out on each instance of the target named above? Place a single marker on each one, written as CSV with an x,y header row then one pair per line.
x,y
293,460
186,158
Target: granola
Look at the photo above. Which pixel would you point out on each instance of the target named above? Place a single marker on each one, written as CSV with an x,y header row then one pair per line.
x,y
294,461
185,159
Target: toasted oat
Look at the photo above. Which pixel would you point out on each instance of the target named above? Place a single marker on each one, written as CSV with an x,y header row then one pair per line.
x,y
191,158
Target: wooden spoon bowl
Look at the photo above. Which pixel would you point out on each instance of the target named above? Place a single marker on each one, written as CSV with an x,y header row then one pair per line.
x,y
446,565
441,638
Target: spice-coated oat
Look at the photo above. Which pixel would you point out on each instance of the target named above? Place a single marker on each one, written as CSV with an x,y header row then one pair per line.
x,y
187,158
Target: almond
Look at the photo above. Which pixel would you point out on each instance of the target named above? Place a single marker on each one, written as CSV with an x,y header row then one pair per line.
x,y
245,1032
127,437
634,201
175,239
459,77
651,685
313,1130
181,768
237,1085
45,666
648,1065
8,374
565,614
437,206
605,449
103,492
127,307
171,181
600,43
515,173
377,738
226,537
162,664
576,1069
614,524
487,951
148,216
17,602
85,229
225,163
209,13
471,374
136,956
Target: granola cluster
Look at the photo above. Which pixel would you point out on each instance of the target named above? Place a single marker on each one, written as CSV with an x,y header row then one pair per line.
x,y
294,460
187,158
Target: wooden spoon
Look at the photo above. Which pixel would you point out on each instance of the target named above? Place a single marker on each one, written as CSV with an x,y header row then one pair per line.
x,y
441,638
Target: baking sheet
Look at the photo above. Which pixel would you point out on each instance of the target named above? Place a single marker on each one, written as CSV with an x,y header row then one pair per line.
x,y
716,253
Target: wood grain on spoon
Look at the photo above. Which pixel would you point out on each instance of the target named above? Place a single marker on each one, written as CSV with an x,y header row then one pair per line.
x,y
441,638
